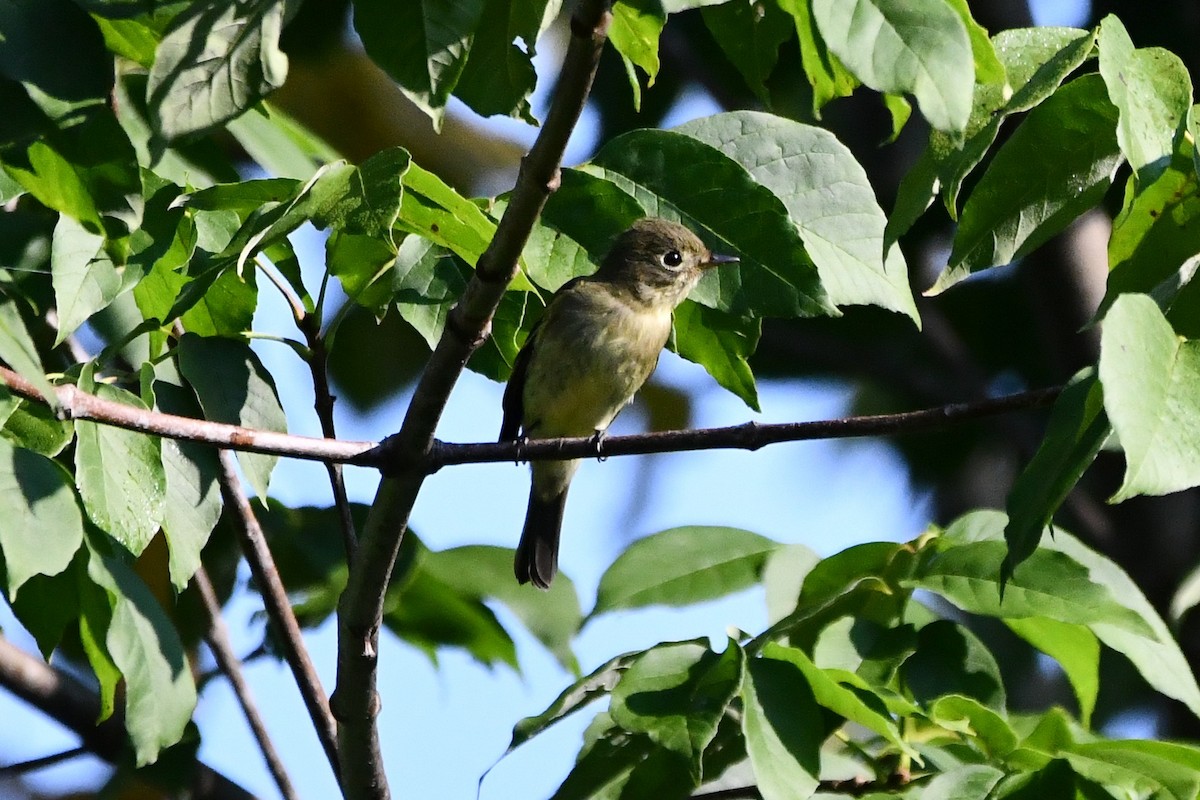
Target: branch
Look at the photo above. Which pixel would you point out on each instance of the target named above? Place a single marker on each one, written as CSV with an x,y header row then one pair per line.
x,y
65,699
278,608
222,650
391,457
747,436
76,404
356,702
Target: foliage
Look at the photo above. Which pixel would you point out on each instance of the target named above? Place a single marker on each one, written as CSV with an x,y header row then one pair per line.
x,y
124,217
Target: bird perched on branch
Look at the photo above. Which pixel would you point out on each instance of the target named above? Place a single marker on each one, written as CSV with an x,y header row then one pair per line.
x,y
594,347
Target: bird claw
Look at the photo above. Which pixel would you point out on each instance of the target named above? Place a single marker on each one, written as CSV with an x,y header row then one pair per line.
x,y
597,438
522,442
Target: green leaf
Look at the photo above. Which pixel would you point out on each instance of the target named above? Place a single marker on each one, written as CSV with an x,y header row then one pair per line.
x,y
1077,430
485,573
1150,647
988,67
498,77
783,742
1056,165
683,566
422,45
579,694
829,79
750,33
159,692
1076,650
1153,92
1156,233
215,62
1166,769
234,387
34,426
120,474
676,694
43,527
280,144
615,764
85,278
972,717
1035,62
966,782
95,617
904,46
18,351
428,613
679,177
783,576
950,659
1150,377
829,200
227,306
858,706
722,344
371,203
1048,583
634,32
193,496
47,604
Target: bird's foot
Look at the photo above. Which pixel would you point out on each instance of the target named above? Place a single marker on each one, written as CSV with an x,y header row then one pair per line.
x,y
597,439
522,442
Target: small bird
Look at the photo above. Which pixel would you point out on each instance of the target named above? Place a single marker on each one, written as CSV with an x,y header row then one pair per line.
x,y
596,344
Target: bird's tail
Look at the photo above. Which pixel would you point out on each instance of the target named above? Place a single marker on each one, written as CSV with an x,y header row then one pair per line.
x,y
537,554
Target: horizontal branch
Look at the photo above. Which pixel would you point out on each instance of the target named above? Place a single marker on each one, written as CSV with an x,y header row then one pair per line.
x,y
388,458
747,436
76,404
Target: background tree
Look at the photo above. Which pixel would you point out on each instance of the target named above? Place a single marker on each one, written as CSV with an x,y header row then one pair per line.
x,y
139,228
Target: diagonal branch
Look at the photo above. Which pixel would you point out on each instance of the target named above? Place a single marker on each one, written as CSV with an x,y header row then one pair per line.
x,y
231,666
356,702
278,608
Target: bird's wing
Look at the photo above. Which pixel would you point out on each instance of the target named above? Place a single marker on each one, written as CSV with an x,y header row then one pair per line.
x,y
514,393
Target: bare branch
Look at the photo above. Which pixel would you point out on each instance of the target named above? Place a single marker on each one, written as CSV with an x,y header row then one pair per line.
x,y
747,436
356,702
65,699
77,404
279,610
222,650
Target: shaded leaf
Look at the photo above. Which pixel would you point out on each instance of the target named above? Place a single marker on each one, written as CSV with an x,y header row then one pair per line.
x,y
782,741
722,344
43,527
234,387
214,63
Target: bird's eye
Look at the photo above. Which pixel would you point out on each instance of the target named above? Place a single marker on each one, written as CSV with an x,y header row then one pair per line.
x,y
672,258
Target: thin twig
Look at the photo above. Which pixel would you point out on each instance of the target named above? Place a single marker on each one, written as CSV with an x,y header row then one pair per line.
x,y
43,762
222,650
66,700
360,611
323,400
747,436
279,610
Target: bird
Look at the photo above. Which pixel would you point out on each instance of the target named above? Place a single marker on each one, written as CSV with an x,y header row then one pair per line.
x,y
597,342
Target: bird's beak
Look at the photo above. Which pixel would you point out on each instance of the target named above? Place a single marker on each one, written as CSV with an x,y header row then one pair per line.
x,y
717,259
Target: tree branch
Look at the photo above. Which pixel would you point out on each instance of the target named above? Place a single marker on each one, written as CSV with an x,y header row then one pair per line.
x,y
391,457
278,608
66,700
231,667
747,436
76,404
356,702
